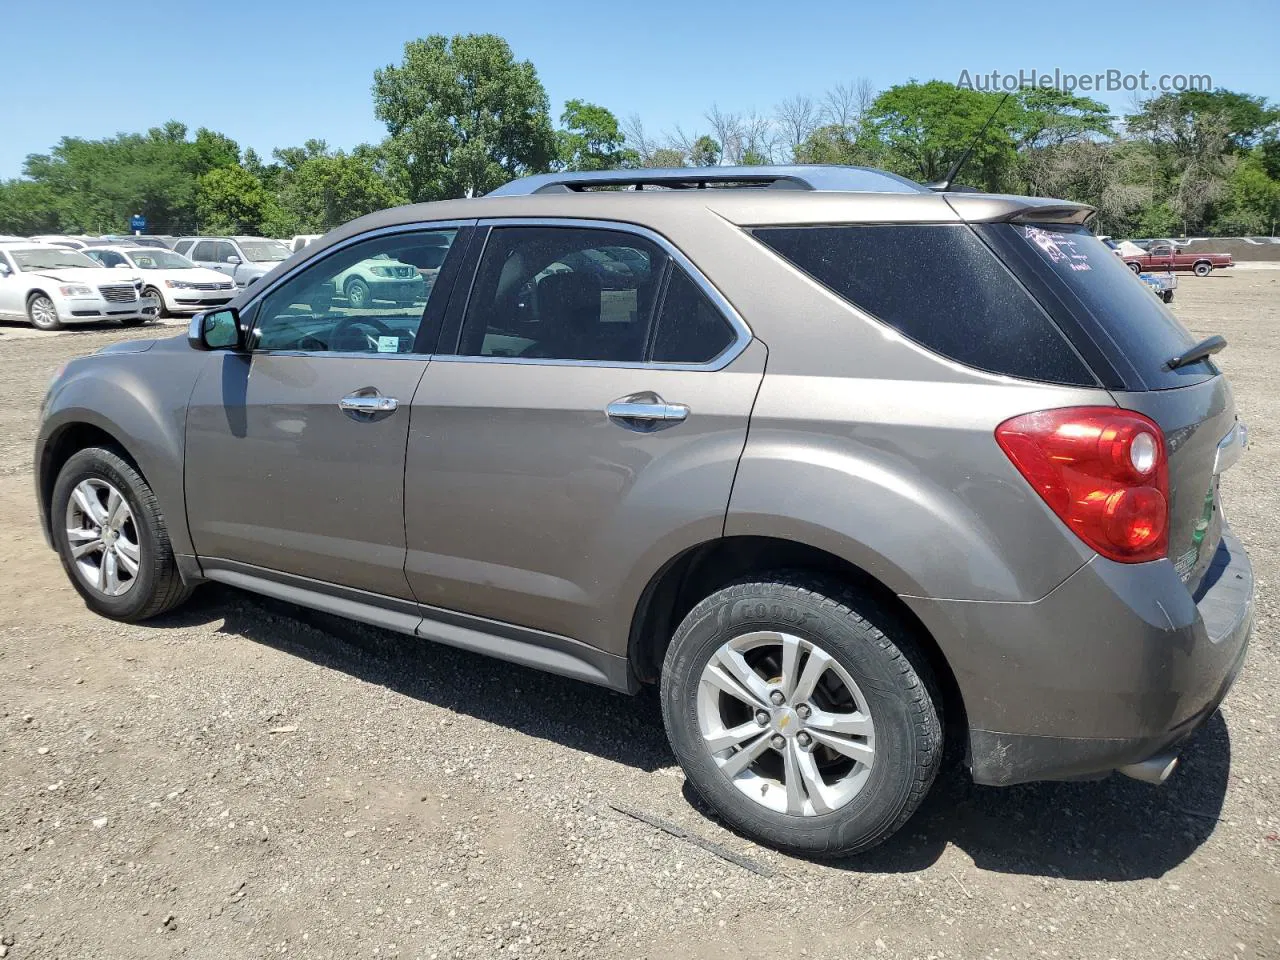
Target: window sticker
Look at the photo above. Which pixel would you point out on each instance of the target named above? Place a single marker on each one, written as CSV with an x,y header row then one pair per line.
x,y
1058,248
388,344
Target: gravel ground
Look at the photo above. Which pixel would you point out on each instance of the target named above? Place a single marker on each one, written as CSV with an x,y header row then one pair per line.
x,y
247,779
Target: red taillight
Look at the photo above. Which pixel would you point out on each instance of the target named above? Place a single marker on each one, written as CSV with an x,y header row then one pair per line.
x,y
1102,470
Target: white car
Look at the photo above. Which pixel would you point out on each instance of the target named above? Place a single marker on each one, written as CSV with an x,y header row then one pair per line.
x,y
179,285
52,286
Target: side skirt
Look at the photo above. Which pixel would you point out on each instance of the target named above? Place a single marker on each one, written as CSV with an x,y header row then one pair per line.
x,y
531,648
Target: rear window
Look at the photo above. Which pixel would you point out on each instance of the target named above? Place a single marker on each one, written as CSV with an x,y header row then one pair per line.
x,y
940,285
1106,299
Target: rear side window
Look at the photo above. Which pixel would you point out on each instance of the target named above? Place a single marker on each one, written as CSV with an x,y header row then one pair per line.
x,y
1127,321
203,252
940,285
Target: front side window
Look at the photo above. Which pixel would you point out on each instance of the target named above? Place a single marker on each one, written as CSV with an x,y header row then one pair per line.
x,y
223,250
369,297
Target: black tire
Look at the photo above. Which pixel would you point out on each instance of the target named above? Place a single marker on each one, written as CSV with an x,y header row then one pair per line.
x,y
158,587
1167,296
869,642
153,292
39,309
1203,269
357,293
1135,267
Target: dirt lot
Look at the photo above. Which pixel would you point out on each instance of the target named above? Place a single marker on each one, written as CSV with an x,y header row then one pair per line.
x,y
246,779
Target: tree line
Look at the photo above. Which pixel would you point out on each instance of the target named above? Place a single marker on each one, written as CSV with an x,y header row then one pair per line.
x,y
463,116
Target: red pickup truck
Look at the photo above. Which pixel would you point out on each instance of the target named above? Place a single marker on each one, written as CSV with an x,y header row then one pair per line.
x,y
1162,257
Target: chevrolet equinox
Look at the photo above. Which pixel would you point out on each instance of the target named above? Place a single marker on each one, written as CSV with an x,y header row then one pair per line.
x,y
839,462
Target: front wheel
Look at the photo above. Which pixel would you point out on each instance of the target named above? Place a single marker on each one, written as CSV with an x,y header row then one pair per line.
x,y
357,292
112,538
1135,267
1203,269
153,292
802,712
42,313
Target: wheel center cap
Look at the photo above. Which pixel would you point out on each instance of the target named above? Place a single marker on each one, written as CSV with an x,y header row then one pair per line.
x,y
786,721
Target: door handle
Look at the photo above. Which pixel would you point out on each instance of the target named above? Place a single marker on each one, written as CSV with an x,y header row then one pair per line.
x,y
364,405
645,411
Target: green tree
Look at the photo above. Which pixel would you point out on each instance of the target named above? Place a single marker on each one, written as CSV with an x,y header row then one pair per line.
x,y
27,208
230,200
1252,205
926,127
327,190
705,152
591,139
463,116
840,143
667,157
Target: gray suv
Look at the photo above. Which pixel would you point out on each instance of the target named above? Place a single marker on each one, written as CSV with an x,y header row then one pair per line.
x,y
840,463
244,259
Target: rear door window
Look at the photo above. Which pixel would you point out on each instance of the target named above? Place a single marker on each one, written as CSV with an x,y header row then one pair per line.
x,y
203,252
1129,324
940,285
689,328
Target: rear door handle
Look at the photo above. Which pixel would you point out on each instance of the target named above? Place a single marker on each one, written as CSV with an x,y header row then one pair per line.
x,y
366,404
645,411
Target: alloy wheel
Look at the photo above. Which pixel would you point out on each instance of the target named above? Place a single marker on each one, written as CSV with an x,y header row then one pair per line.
x,y
43,313
103,538
786,723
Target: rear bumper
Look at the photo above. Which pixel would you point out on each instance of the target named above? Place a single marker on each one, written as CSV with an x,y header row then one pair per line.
x,y
1117,665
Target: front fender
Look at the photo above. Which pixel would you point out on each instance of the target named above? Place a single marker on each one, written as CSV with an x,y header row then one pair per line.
x,y
138,399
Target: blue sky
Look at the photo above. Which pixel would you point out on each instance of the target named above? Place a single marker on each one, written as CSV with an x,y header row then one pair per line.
x,y
275,72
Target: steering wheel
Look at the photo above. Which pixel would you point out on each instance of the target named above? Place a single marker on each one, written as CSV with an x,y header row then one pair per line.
x,y
348,324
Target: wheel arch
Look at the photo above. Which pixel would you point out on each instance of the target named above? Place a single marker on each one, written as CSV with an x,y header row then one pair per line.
x,y
62,444
119,407
708,566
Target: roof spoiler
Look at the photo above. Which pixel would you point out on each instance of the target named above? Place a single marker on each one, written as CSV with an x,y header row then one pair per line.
x,y
788,177
986,207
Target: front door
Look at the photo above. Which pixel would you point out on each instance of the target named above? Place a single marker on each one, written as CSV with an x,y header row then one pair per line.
x,y
296,447
585,430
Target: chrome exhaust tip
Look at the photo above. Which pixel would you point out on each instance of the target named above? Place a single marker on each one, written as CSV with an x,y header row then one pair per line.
x,y
1154,770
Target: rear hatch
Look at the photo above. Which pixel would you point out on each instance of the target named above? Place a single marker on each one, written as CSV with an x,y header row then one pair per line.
x,y
1127,336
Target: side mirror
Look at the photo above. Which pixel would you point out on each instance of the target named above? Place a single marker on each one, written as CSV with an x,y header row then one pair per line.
x,y
215,330
233,260
4,269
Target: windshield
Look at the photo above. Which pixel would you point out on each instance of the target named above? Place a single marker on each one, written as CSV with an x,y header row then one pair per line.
x,y
50,258
148,259
260,251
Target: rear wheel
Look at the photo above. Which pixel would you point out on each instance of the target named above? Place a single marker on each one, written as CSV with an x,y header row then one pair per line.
x,y
1203,269
1135,267
801,711
42,313
112,538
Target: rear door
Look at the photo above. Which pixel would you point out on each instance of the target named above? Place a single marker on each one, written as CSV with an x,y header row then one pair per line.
x,y
579,426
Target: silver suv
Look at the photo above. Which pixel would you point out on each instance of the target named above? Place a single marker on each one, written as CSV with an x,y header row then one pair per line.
x,y
838,462
244,259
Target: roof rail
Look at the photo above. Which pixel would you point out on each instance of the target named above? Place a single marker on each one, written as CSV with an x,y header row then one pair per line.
x,y
794,177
